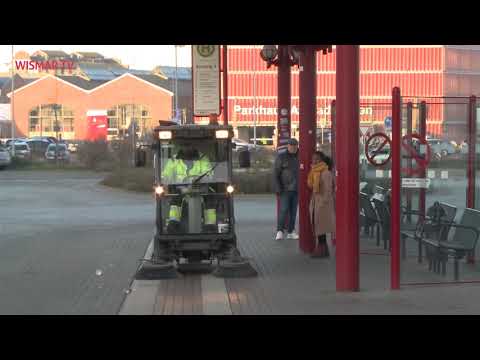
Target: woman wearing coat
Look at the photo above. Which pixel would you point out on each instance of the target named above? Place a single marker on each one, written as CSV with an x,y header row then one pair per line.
x,y
322,211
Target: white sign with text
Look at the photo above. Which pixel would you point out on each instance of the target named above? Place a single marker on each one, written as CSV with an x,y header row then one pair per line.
x,y
415,183
206,79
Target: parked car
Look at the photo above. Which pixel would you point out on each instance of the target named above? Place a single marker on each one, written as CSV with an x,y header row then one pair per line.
x,y
50,139
57,151
38,147
5,157
72,146
464,149
241,145
9,142
22,150
442,147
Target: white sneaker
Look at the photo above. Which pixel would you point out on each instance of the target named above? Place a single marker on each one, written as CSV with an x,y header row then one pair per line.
x,y
293,235
279,235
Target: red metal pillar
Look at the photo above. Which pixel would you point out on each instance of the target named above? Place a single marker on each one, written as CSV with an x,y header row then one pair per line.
x,y
396,187
284,124
225,85
471,170
471,152
409,160
347,169
308,122
423,133
284,128
333,147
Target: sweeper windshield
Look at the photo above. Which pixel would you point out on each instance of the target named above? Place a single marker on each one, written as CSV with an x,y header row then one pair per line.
x,y
184,162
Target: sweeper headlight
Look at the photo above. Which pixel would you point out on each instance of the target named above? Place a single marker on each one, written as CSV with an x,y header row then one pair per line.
x,y
230,189
221,134
164,135
159,190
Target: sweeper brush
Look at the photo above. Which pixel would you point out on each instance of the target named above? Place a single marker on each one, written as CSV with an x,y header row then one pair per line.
x,y
234,266
151,270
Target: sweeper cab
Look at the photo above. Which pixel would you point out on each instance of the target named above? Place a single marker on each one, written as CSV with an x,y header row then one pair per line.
x,y
194,219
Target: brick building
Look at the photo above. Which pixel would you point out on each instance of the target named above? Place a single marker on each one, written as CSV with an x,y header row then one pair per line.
x,y
419,70
126,98
46,97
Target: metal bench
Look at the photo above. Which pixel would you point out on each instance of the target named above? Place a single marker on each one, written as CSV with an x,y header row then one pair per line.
x,y
369,216
425,228
463,242
383,212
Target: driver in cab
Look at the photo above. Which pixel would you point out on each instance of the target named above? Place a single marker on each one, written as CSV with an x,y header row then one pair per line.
x,y
188,166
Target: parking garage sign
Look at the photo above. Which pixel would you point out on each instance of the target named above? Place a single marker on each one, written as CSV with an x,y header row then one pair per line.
x,y
206,79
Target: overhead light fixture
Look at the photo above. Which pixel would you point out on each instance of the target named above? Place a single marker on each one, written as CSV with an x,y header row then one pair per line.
x,y
165,135
221,134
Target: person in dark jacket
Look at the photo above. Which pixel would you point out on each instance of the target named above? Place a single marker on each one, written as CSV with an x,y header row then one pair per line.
x,y
285,173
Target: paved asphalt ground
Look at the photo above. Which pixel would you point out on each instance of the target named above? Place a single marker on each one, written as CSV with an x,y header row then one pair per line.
x,y
70,246
57,230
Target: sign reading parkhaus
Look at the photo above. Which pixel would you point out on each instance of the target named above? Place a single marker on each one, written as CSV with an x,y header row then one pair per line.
x,y
272,111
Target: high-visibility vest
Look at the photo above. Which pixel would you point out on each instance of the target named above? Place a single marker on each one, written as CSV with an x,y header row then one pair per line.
x,y
200,166
175,213
210,216
176,169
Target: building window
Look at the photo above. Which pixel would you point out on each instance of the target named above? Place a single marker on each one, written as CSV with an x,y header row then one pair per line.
x,y
52,120
121,116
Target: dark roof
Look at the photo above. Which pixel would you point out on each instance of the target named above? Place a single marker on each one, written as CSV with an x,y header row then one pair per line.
x,y
92,84
82,83
3,80
89,54
154,79
55,53
102,71
183,73
17,84
77,81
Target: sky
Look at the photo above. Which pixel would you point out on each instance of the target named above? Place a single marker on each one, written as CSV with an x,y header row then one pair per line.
x,y
143,57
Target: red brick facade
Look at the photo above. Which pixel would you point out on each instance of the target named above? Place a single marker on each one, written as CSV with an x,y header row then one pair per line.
x,y
126,89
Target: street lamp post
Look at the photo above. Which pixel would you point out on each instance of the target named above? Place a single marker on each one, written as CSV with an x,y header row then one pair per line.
x,y
57,129
176,82
12,105
254,104
281,57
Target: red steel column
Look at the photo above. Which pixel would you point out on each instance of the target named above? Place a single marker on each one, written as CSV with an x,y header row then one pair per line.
x,y
284,123
471,170
307,119
396,183
225,85
347,175
423,133
409,160
471,152
284,128
333,133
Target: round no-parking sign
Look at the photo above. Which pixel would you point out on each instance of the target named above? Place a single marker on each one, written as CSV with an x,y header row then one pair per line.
x,y
418,149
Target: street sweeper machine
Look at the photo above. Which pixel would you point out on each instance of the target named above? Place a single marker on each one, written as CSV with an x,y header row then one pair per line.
x,y
195,222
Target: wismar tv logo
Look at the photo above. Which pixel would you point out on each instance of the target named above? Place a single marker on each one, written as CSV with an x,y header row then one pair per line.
x,y
44,65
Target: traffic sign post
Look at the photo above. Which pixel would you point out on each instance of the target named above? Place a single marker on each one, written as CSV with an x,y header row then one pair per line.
x,y
206,80
388,123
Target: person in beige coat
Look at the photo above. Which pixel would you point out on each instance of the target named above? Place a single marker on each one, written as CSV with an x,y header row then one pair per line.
x,y
322,211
